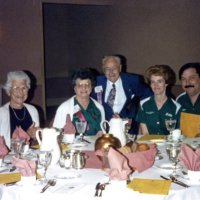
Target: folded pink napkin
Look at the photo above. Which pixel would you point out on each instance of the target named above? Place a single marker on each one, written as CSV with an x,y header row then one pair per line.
x,y
190,158
118,168
3,147
69,126
19,133
139,161
25,167
142,160
92,160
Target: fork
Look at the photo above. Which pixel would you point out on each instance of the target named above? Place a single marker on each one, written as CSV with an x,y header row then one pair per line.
x,y
102,187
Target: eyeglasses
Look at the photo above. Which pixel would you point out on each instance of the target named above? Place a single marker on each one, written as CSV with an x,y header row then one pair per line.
x,y
83,85
18,89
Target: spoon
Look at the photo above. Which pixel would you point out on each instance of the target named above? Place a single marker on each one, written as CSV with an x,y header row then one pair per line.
x,y
101,187
51,182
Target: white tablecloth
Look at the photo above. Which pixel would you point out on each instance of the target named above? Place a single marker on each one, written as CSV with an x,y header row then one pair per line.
x,y
74,184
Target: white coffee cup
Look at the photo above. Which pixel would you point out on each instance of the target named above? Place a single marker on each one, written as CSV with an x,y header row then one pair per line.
x,y
176,134
194,176
68,138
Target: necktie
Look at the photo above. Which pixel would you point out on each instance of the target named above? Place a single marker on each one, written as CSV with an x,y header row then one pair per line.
x,y
111,96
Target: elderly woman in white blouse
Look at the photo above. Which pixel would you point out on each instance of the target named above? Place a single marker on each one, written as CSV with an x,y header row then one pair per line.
x,y
17,113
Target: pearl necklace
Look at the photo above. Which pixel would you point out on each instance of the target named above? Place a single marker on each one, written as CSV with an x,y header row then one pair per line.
x,y
20,119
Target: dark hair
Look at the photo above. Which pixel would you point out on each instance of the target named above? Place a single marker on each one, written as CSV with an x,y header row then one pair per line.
x,y
161,70
83,73
187,66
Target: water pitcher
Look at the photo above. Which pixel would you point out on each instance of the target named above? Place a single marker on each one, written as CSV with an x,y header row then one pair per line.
x,y
47,140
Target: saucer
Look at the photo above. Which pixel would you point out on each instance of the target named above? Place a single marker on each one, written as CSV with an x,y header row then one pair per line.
x,y
188,181
170,139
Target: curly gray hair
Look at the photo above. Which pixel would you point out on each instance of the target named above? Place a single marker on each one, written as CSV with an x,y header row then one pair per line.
x,y
16,75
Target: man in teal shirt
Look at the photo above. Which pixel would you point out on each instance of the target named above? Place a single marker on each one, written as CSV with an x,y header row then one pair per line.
x,y
189,74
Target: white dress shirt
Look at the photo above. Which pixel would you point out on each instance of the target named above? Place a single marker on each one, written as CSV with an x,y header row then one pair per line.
x,y
120,97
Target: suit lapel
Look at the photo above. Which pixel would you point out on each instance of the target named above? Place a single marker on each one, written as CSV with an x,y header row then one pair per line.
x,y
125,85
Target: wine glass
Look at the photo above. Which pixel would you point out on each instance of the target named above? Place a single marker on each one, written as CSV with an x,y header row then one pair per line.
x,y
170,125
44,160
80,128
173,150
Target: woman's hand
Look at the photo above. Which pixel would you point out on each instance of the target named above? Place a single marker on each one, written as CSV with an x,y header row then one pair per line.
x,y
32,130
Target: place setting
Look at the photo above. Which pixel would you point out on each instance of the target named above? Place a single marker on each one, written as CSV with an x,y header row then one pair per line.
x,y
73,136
189,160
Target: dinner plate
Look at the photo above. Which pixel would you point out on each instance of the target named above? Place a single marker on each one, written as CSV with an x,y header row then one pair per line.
x,y
157,140
67,188
68,175
167,166
77,145
4,169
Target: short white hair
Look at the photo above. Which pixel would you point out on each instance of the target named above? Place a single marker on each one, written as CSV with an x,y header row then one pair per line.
x,y
106,58
14,76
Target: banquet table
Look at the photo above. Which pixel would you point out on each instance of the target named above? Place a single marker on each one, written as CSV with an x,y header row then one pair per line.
x,y
73,184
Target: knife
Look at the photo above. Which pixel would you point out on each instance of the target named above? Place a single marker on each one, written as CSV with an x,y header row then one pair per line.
x,y
176,181
86,141
4,170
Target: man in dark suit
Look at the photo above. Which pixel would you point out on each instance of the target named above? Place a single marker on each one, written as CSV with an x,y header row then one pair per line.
x,y
118,92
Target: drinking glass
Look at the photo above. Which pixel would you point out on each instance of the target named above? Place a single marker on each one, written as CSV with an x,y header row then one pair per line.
x,y
173,150
170,125
80,128
44,160
16,145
